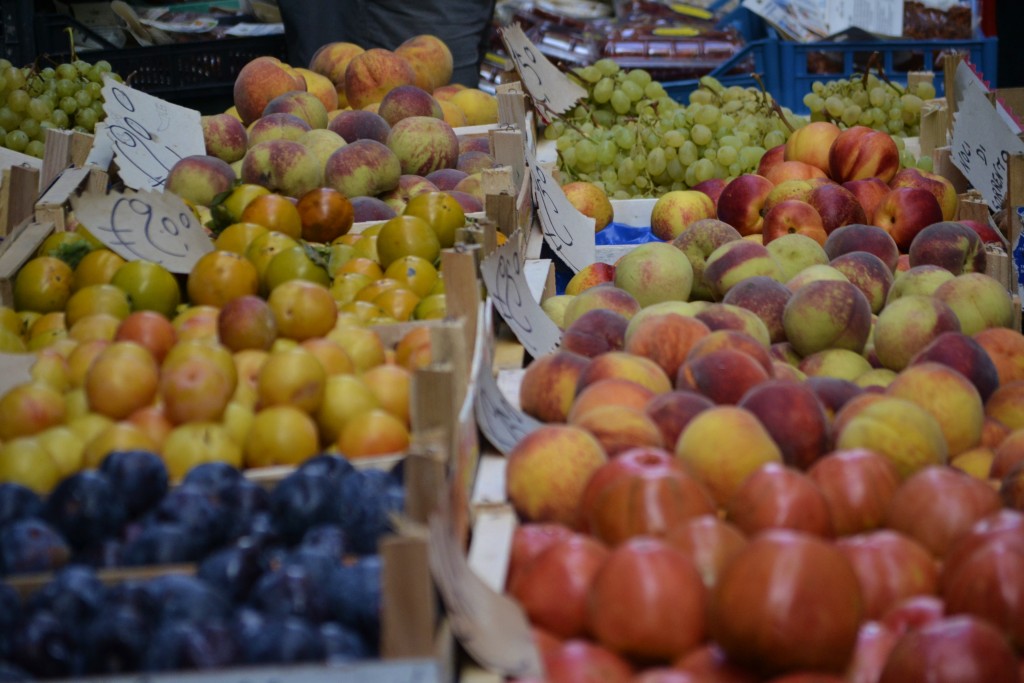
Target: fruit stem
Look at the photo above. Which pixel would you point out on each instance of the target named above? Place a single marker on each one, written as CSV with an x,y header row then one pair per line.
x,y
775,105
71,42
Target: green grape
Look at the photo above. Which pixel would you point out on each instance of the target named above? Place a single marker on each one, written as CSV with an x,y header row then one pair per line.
x,y
926,163
87,118
726,123
607,67
688,152
701,97
642,182
15,77
3,132
639,76
925,90
912,104
814,102
704,169
710,153
18,101
625,137
620,101
95,90
5,64
35,148
632,90
774,138
654,91
586,152
66,87
707,115
604,118
674,138
701,134
656,161
39,109
750,157
627,172
727,155
690,175
894,125
8,119
834,106
82,66
590,74
564,142
607,152
610,176
729,141
603,90
60,119
31,127
550,132
878,116
675,170
67,71
83,97
817,87
16,140
851,115
877,97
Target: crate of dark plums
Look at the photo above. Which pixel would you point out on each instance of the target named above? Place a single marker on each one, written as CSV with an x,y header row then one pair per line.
x,y
116,573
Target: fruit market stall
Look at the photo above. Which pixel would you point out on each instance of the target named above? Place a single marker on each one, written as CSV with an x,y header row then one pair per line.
x,y
322,357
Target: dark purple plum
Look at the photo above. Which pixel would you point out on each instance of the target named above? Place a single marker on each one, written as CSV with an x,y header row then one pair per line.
x,y
240,502
32,545
233,571
369,498
329,465
9,673
354,596
328,538
371,209
302,500
343,644
187,598
10,615
289,591
284,641
213,477
115,641
163,543
45,647
18,502
86,509
75,595
191,506
139,478
184,646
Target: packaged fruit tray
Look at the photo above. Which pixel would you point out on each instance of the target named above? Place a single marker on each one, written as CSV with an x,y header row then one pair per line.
x,y
789,69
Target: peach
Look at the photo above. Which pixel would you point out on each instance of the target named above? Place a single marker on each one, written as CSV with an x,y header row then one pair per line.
x,y
590,276
331,60
282,166
445,92
549,384
939,186
474,142
474,161
949,397
869,238
606,296
908,325
841,363
31,407
771,158
479,107
666,339
793,170
977,462
734,340
554,307
610,392
429,58
279,126
779,497
741,203
724,375
470,185
965,355
902,431
199,178
620,428
357,124
993,432
811,143
301,104
725,429
446,178
951,245
246,322
673,410
320,87
790,217
815,273
868,273
793,416
423,144
408,187
1005,347
837,206
622,365
371,74
827,314
833,392
712,187
408,100
594,332
735,261
469,203
861,152
794,252
363,167
920,280
322,143
1006,404
197,380
676,210
764,297
1007,455
698,241
979,302
591,201
548,471
370,209
904,212
868,191
728,317
259,81
224,137
455,117
654,272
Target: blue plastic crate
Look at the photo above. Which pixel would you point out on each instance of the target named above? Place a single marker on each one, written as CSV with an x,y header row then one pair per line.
x,y
764,55
796,73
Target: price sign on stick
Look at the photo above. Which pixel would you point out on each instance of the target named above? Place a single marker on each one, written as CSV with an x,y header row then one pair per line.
x,y
551,90
567,231
506,283
155,226
502,423
982,146
147,134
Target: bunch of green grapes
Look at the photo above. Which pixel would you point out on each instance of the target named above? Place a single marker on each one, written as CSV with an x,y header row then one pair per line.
x,y
633,140
65,96
869,101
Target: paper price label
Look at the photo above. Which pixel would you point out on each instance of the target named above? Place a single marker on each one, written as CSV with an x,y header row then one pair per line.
x,y
550,89
148,135
503,424
148,225
982,145
506,283
567,231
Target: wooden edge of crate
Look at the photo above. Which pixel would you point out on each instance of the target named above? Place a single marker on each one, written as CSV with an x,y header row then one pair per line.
x,y
16,249
27,584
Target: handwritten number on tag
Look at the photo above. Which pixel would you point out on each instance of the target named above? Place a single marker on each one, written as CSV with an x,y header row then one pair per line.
x,y
134,143
125,217
508,297
526,61
553,228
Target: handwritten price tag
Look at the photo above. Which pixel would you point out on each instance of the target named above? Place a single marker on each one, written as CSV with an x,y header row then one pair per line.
x,y
506,283
982,145
550,89
147,134
567,231
502,423
146,225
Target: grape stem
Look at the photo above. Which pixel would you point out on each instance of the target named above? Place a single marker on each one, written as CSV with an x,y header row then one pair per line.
x,y
775,105
71,43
